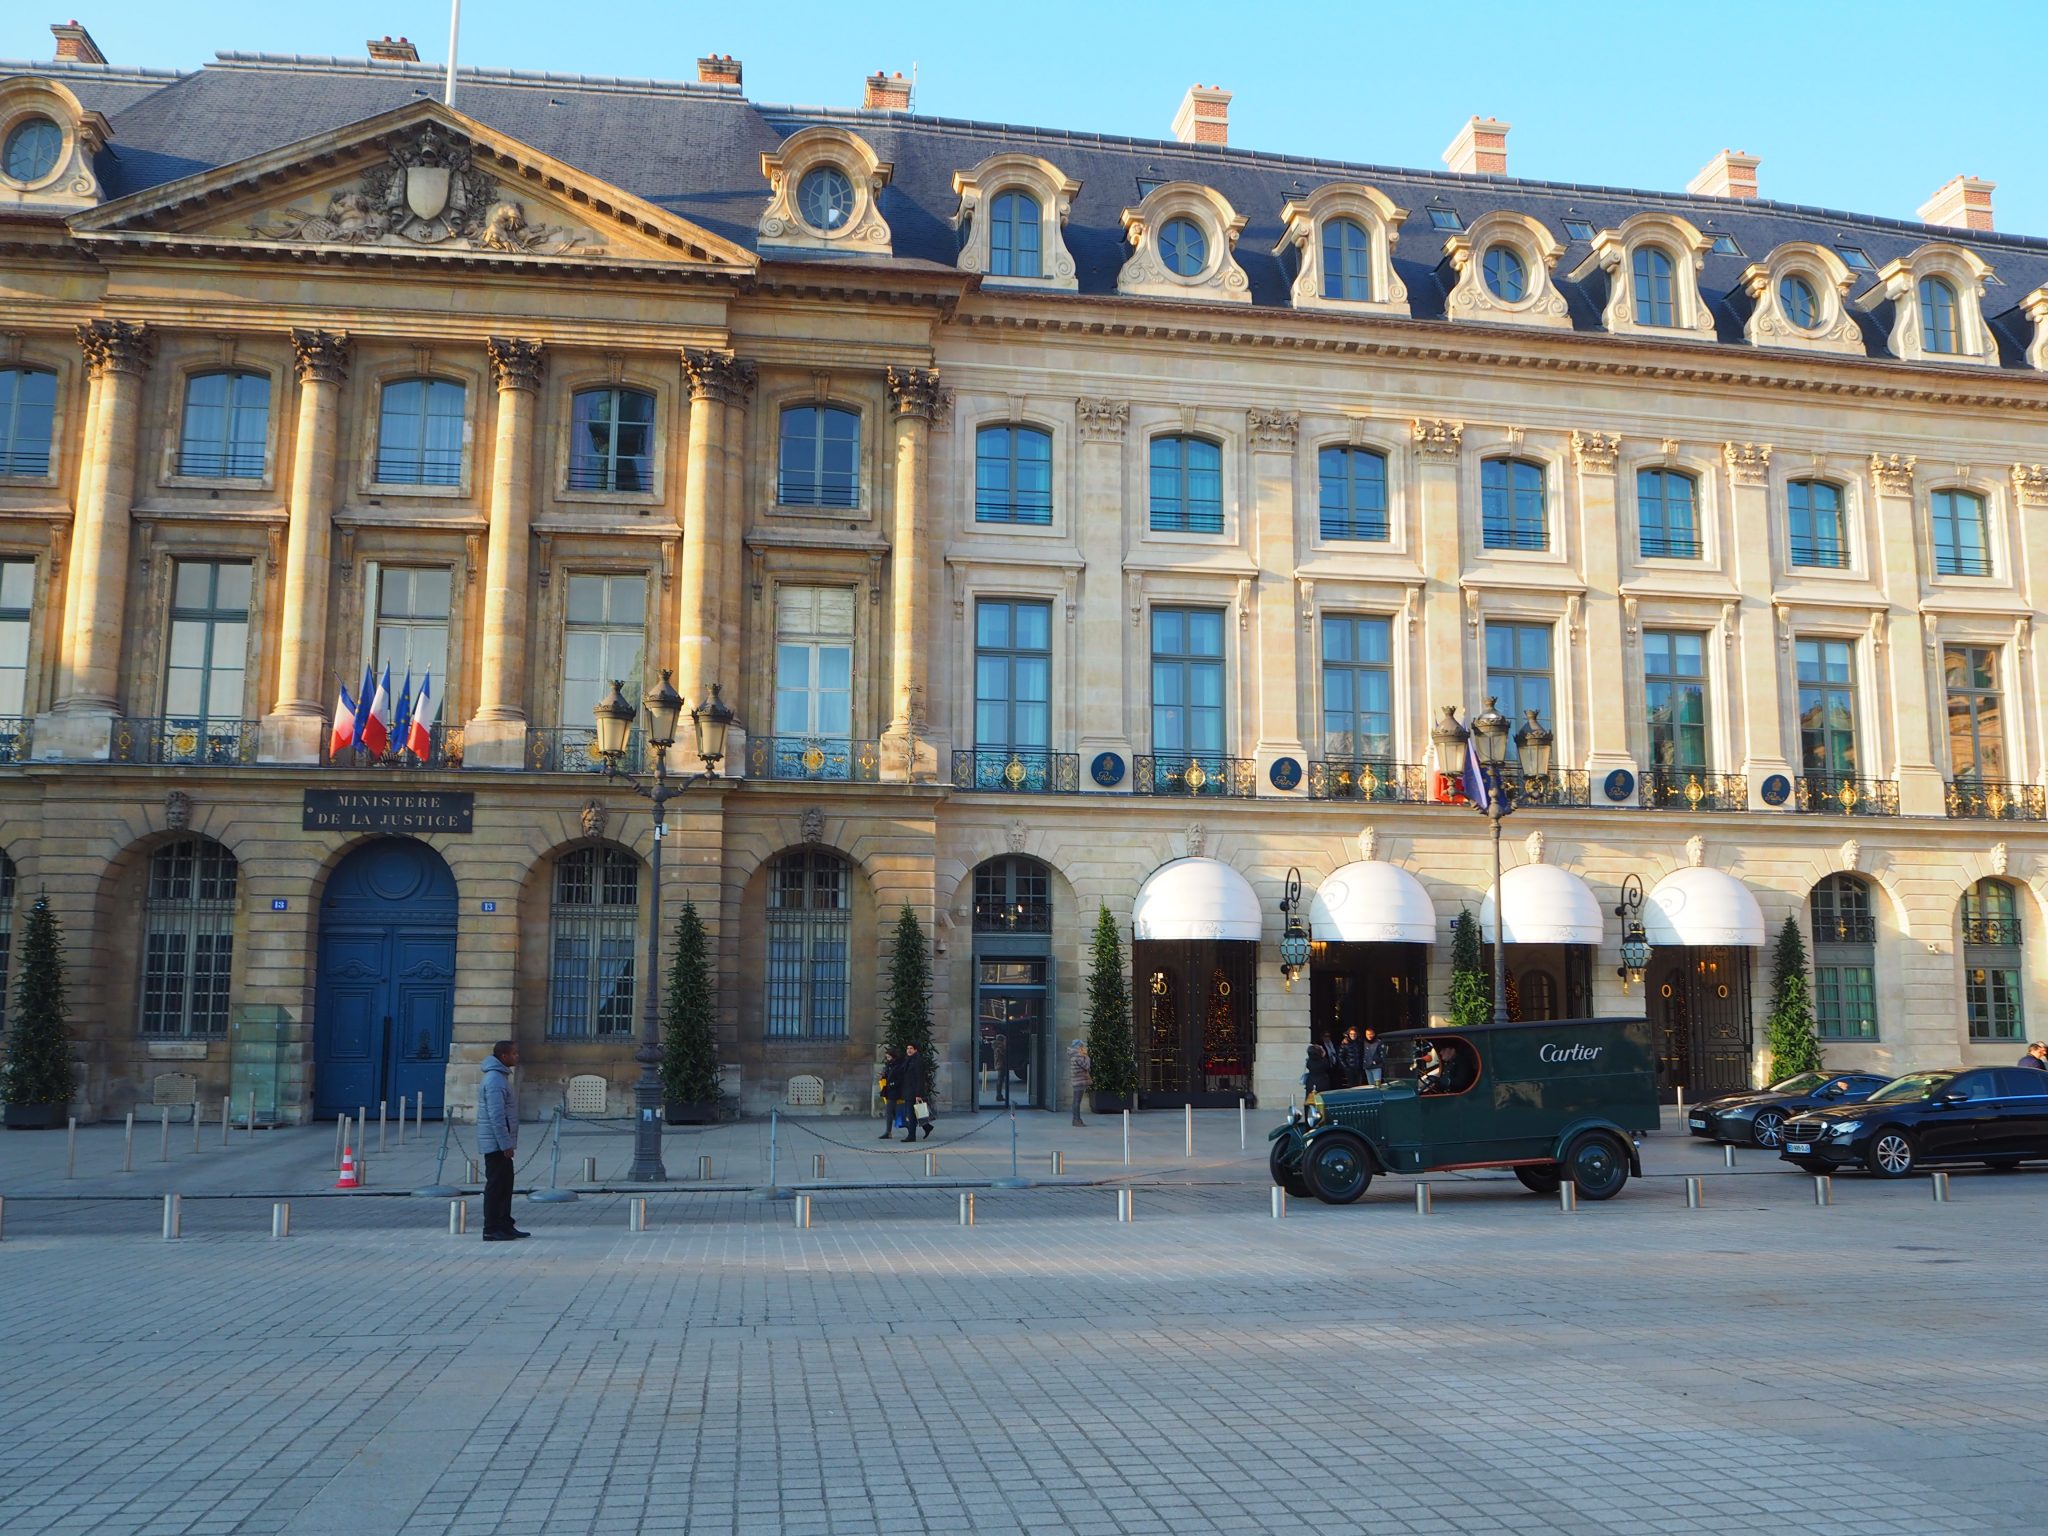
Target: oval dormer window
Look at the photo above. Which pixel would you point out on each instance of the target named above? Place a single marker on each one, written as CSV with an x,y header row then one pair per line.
x,y
1799,302
825,199
1183,250
1507,277
32,149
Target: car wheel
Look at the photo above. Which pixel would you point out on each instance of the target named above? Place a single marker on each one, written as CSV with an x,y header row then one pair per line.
x,y
1891,1154
1540,1178
2001,1164
1337,1169
1769,1130
1598,1165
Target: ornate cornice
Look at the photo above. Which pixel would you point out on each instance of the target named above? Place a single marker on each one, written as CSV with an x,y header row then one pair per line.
x,y
1273,429
1439,439
516,364
716,376
1893,472
1596,451
2030,484
1103,421
915,392
1748,463
115,346
321,356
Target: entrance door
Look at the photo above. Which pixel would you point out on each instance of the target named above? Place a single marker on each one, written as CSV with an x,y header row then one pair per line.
x,y
1700,1002
1197,1022
1009,1033
384,996
1381,987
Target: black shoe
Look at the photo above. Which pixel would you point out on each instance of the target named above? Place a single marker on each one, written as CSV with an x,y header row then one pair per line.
x,y
928,1130
517,1232
888,1135
911,1137
500,1237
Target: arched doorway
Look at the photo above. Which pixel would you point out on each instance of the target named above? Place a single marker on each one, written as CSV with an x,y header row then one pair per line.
x,y
384,995
1013,983
1194,947
1704,926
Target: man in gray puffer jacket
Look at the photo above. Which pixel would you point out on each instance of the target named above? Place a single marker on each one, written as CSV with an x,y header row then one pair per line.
x,y
497,1138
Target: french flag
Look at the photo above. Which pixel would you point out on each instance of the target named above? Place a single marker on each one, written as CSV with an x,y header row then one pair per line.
x,y
419,733
344,725
377,729
1476,789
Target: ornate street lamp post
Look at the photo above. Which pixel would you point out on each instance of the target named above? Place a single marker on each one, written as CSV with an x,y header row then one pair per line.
x,y
1294,937
614,724
1636,948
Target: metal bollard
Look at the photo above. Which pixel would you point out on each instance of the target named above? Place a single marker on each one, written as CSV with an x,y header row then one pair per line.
x,y
703,1167
931,1165
1279,1202
458,1217
1823,1189
966,1209
197,1117
1425,1201
1240,1125
1567,1196
473,1175
3,1216
1126,1205
382,1104
174,1216
1728,1154
281,1218
163,1134
1188,1110
227,1114
1127,1138
1695,1194
1681,1102
636,1215
803,1210
71,1148
419,1109
1940,1188
252,1114
128,1152
1059,1162
590,1170
817,1165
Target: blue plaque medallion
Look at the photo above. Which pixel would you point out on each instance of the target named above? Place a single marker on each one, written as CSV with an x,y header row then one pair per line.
x,y
1619,785
1776,789
1285,773
1107,770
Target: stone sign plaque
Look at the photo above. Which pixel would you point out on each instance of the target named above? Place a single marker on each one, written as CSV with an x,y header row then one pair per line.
x,y
388,810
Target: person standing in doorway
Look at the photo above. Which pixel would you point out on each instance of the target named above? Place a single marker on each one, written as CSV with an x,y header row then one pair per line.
x,y
1081,1072
497,1138
1375,1056
917,1087
1351,1059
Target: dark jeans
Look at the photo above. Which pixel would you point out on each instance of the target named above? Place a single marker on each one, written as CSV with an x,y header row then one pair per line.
x,y
497,1192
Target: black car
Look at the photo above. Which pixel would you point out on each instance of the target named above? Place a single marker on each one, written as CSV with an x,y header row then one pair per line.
x,y
1757,1116
1997,1116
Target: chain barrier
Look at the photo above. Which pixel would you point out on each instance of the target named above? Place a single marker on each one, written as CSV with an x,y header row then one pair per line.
x,y
926,1144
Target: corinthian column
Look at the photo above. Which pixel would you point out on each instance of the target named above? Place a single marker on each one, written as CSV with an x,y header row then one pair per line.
x,y
496,736
292,733
1590,694
914,399
706,520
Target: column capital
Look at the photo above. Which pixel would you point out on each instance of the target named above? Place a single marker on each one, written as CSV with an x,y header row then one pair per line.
x,y
516,364
915,393
321,356
1438,439
115,346
1103,421
1273,429
1596,451
1893,472
717,376
2030,484
1748,463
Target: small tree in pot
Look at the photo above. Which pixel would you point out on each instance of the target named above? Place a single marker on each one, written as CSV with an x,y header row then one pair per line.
x,y
907,1016
1111,1055
689,1041
1789,1035
35,1081
1471,987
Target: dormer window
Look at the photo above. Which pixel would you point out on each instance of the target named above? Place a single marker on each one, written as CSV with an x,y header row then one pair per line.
x,y
1652,262
1504,265
32,149
1181,239
1013,237
823,185
1507,275
1799,292
1183,249
1653,286
1937,315
1347,260
1012,218
47,144
825,199
1798,303
1936,295
1341,240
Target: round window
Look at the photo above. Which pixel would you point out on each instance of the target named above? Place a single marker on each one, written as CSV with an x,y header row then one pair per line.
x,y
1506,277
1183,248
825,198
1798,300
32,149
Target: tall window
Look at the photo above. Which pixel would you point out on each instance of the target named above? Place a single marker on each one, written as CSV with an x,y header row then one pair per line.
x,y
1012,674
1187,681
809,920
209,641
1358,688
611,440
1653,283
604,638
1352,493
818,462
594,932
411,636
1013,475
227,418
1012,895
1667,522
17,612
1675,698
1013,236
1511,505
1976,714
814,661
1827,707
419,432
1845,959
28,411
188,938
1518,660
1819,535
1992,961
1960,546
1187,485
1937,315
1347,260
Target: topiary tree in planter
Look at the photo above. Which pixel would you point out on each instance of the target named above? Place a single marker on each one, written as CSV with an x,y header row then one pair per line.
x,y
1471,986
907,1017
35,1081
1789,1035
1112,1058
689,1039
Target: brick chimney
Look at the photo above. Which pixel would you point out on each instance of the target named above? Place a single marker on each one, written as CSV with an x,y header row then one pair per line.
x,y
1204,116
75,44
886,93
1964,203
1731,173
718,69
383,50
1480,149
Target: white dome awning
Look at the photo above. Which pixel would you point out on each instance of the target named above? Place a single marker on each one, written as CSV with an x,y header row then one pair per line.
x,y
1196,899
1372,902
1545,905
1703,907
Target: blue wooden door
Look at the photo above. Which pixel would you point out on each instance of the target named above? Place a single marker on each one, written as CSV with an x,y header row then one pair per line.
x,y
384,998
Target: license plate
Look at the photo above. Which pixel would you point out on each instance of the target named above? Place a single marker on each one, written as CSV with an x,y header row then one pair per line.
x,y
1696,1124
1800,1148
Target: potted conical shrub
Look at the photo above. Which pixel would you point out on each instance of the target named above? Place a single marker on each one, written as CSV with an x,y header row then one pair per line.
x,y
689,1042
1112,1059
35,1081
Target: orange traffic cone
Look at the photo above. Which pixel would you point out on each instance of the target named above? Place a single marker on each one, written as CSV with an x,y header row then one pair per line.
x,y
348,1171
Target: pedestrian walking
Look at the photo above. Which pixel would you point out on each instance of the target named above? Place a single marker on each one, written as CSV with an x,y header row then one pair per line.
x,y
917,1087
497,1138
1351,1059
892,1094
1375,1056
1082,1073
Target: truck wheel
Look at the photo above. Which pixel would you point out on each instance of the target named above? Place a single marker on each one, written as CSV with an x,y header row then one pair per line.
x,y
1541,1178
1337,1169
1285,1174
1598,1165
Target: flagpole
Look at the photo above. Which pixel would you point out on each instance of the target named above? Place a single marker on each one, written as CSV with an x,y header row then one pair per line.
x,y
454,33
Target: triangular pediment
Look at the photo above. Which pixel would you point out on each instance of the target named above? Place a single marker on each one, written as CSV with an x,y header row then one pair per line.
x,y
421,180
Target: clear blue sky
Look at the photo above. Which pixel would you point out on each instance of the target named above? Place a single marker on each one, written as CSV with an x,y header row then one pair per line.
x,y
1843,102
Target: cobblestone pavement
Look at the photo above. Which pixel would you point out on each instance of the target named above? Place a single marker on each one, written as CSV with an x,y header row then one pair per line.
x,y
1497,1366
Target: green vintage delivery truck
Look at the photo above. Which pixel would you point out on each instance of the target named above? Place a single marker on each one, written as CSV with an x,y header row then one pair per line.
x,y
1554,1100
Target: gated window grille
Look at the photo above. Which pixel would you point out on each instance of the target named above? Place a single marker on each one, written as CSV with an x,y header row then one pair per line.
x,y
595,927
809,924
188,938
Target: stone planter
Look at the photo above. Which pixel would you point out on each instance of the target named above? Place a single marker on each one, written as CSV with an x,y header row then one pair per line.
x,y
37,1117
688,1112
1112,1103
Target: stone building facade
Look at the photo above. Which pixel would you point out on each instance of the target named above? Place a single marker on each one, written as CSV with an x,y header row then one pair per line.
x,y
1072,523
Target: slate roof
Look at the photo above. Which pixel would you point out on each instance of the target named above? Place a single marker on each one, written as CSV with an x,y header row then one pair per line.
x,y
695,150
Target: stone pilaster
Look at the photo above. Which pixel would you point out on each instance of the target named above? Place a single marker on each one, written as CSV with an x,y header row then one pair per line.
x,y
293,732
1099,532
1606,706
1898,650
496,736
907,753
706,523
1759,666
1276,662
732,556
1439,449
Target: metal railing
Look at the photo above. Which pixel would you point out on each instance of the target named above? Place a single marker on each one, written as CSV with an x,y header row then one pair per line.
x,y
1372,779
1992,932
573,749
1195,774
17,738
444,750
1022,771
1839,794
1996,800
1694,789
627,472
826,758
207,743
1669,546
1825,554
1561,786
1502,535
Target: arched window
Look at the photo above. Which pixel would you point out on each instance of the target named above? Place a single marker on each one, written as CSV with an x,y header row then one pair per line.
x,y
1014,234
6,935
810,917
1012,895
1666,517
1186,485
1844,959
188,938
1511,505
419,432
819,460
1013,475
1960,545
227,419
1347,260
28,408
1655,303
1820,535
1798,301
825,198
593,930
1937,315
1183,249
1352,493
1506,274
611,440
1992,961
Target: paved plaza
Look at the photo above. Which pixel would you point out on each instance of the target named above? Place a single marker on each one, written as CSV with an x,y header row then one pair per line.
x,y
1498,1365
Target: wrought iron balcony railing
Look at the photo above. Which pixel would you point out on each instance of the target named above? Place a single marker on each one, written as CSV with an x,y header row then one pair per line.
x,y
1995,800
204,743
1992,932
1839,794
1022,771
573,749
1694,789
17,738
444,750
1561,786
827,758
1367,779
1196,774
